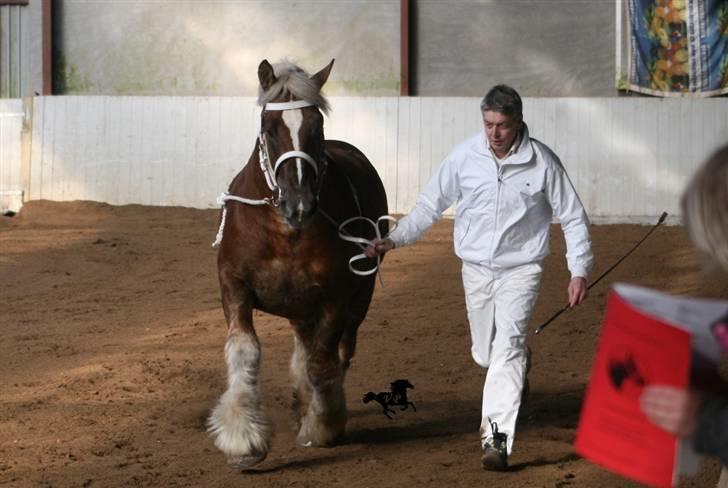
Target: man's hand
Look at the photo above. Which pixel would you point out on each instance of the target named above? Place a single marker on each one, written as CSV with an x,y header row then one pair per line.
x,y
577,291
673,409
379,247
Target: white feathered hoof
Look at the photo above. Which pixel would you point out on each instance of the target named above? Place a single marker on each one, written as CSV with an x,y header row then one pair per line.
x,y
242,434
321,431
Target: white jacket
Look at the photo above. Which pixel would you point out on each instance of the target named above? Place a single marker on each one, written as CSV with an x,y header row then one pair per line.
x,y
504,212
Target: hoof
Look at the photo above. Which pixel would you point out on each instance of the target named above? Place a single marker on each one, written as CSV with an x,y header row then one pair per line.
x,y
311,443
304,443
323,439
243,463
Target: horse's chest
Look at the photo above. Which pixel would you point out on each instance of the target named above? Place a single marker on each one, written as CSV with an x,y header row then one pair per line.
x,y
281,283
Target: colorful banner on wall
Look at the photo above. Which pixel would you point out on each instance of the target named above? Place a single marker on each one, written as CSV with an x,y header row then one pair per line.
x,y
678,47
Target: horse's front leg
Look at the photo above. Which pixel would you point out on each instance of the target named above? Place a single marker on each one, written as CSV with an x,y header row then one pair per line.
x,y
324,420
299,376
404,403
238,423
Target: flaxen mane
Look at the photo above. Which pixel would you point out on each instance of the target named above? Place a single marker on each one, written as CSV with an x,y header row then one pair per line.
x,y
293,81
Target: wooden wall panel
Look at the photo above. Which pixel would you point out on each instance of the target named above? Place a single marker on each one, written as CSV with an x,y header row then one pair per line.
x,y
629,158
11,177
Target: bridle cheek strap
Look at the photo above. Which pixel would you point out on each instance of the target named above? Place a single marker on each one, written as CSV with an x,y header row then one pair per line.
x,y
295,154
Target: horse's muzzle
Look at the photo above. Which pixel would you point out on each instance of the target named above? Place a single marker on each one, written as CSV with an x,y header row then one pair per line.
x,y
298,214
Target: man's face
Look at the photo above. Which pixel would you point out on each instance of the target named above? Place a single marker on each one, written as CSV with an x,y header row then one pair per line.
x,y
501,130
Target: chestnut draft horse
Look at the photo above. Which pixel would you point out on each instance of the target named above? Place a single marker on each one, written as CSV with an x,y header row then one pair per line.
x,y
280,252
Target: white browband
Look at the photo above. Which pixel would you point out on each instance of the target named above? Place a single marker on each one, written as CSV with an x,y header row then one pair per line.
x,y
287,105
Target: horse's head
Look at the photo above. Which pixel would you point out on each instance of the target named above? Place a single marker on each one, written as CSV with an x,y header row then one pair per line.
x,y
368,397
292,136
399,385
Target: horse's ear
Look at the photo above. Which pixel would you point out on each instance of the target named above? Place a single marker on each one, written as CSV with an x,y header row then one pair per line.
x,y
323,75
266,75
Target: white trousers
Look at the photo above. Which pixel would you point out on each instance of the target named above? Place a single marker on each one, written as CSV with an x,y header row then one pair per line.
x,y
499,305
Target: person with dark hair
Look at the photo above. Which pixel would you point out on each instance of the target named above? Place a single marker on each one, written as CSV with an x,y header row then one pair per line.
x,y
691,413
508,187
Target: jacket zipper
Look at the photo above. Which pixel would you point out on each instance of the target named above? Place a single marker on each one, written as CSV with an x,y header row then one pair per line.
x,y
499,175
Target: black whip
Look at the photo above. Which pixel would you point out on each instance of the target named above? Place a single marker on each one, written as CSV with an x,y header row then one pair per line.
x,y
566,307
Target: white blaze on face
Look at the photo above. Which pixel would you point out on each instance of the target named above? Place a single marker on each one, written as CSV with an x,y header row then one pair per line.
x,y
293,120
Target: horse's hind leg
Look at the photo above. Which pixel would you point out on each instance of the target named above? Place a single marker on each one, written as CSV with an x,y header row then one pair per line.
x,y
347,347
324,420
238,423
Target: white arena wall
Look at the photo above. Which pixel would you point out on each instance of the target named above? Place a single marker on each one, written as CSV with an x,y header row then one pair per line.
x,y
629,157
11,158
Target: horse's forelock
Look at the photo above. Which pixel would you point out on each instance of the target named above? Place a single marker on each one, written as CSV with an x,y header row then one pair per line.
x,y
292,80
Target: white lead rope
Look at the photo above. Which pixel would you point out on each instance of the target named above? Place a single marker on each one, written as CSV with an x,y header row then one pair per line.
x,y
343,234
224,197
364,243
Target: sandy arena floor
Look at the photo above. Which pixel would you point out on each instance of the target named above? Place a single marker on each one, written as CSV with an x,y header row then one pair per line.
x,y
112,357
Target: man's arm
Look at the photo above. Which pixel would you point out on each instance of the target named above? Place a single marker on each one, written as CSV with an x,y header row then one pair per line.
x,y
439,193
574,222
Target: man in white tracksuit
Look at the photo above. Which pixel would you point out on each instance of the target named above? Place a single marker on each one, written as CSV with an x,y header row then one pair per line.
x,y
508,187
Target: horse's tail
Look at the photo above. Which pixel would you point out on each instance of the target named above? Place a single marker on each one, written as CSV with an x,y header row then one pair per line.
x,y
368,397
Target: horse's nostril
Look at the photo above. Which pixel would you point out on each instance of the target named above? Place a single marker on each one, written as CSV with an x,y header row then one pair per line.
x,y
298,213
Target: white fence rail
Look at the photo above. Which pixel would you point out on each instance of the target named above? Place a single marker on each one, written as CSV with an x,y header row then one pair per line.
x,y
11,178
628,157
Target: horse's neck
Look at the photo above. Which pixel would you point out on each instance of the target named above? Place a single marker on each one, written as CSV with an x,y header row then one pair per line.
x,y
251,180
337,196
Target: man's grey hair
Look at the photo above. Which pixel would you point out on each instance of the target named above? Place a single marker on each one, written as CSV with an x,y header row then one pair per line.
x,y
705,208
503,99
